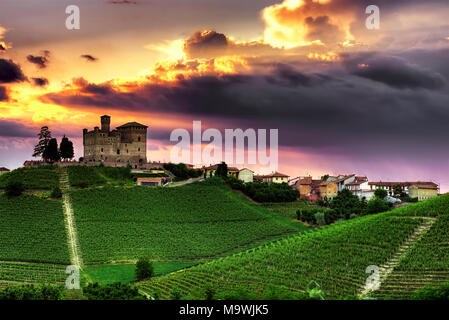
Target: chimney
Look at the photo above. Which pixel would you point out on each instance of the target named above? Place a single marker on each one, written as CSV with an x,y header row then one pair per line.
x,y
105,123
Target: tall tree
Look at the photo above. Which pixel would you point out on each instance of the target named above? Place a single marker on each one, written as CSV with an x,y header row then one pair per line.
x,y
44,137
222,170
51,152
66,148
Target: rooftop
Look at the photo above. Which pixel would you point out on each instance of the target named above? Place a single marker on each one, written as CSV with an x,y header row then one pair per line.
x,y
132,124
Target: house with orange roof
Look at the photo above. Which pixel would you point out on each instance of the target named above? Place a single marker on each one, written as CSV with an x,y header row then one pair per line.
x,y
275,177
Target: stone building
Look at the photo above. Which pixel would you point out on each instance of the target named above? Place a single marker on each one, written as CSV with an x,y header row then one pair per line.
x,y
127,144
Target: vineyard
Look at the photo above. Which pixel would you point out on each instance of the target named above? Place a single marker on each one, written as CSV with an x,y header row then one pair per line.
x,y
32,273
33,230
336,257
430,208
288,209
42,178
185,223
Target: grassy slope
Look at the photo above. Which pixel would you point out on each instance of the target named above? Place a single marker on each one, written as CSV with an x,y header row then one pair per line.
x,y
177,224
336,257
287,209
32,229
32,178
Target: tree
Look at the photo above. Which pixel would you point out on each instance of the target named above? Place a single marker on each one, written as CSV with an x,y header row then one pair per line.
x,y
66,148
14,188
346,203
222,170
376,205
380,193
51,152
144,269
325,177
397,190
44,138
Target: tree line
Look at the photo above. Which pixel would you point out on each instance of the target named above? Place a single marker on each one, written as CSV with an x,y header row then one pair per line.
x,y
47,148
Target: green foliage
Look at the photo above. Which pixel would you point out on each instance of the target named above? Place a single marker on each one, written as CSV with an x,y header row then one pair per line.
x,y
56,193
270,192
41,178
380,193
289,209
31,292
14,188
317,215
433,292
181,171
163,223
114,291
32,230
335,256
320,218
376,205
209,293
429,208
235,183
84,176
345,204
222,170
144,269
31,272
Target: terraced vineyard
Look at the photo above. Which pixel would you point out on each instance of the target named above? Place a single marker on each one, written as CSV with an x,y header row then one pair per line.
x,y
84,176
13,272
42,178
336,257
33,230
169,224
427,263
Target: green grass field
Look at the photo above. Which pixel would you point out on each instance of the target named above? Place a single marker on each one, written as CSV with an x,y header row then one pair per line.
x,y
32,229
170,224
42,178
287,209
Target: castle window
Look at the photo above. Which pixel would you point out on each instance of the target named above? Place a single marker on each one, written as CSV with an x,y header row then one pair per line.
x,y
118,151
101,149
127,151
138,149
138,138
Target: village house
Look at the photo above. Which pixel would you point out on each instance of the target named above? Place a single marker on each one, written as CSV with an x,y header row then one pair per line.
x,y
341,180
152,181
360,187
415,189
275,177
246,175
311,189
3,170
232,171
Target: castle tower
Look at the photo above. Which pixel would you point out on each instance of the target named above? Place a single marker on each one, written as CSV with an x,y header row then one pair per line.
x,y
105,123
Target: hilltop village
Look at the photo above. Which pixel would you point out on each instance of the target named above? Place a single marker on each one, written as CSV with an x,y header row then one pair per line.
x,y
126,145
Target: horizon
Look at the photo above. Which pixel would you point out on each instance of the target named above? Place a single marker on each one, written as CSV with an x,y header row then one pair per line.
x,y
344,98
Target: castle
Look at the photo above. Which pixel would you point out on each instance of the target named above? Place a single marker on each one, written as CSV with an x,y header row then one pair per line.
x,y
127,144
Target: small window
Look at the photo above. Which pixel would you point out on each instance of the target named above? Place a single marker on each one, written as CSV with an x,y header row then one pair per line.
x,y
138,138
127,151
101,149
138,149
118,151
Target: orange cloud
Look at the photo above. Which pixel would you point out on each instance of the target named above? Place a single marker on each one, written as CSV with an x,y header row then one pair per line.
x,y
294,23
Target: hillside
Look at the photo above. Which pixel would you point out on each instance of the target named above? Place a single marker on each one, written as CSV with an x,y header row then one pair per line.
x,y
42,178
32,229
187,223
336,257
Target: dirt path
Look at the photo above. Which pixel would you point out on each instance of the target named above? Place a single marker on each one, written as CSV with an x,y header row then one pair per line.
x,y
387,268
75,252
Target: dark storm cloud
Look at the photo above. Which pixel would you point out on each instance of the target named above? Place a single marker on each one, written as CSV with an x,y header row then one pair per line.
x,y
89,58
40,82
10,72
40,61
3,94
205,43
13,129
394,71
321,29
311,110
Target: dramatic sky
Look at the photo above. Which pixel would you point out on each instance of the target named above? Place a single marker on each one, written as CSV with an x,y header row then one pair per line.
x,y
344,98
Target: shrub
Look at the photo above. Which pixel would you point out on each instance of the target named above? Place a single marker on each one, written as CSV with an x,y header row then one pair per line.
x,y
56,193
380,193
376,205
270,192
144,269
209,293
175,294
440,292
114,291
30,292
346,203
320,218
14,188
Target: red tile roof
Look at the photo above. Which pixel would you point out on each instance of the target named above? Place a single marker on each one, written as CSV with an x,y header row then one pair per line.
x,y
276,175
4,169
403,183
